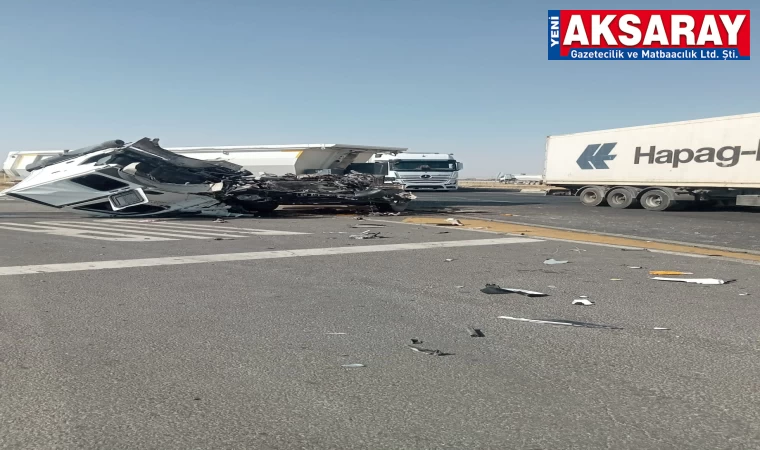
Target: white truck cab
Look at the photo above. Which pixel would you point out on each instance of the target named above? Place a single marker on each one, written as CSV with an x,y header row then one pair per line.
x,y
434,171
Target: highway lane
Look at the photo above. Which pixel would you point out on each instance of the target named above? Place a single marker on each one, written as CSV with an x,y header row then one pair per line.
x,y
231,351
721,227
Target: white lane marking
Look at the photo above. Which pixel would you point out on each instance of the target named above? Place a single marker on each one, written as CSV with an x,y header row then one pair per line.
x,y
141,229
215,228
250,256
84,234
132,230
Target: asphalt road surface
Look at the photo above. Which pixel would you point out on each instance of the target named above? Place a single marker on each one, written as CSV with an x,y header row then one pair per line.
x,y
145,335
720,227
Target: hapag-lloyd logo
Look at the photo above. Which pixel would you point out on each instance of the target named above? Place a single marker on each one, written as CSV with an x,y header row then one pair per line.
x,y
596,156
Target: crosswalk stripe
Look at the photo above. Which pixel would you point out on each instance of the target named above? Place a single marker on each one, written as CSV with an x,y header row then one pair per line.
x,y
175,224
85,234
139,230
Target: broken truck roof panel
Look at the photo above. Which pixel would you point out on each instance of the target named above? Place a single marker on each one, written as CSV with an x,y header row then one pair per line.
x,y
293,147
274,159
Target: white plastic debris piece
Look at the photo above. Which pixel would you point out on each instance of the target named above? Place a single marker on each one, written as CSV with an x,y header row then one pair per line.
x,y
744,293
336,333
583,296
454,222
554,261
220,220
521,319
351,366
365,235
582,302
634,267
448,259
616,279
552,287
661,328
692,280
459,287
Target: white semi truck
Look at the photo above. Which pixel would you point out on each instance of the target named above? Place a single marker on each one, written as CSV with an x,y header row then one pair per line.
x,y
660,166
416,171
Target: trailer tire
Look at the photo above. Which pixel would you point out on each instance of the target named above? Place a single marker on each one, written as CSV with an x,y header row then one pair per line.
x,y
593,196
621,198
657,200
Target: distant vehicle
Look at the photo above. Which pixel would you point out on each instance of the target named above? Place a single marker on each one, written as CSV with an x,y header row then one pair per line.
x,y
416,171
660,166
509,178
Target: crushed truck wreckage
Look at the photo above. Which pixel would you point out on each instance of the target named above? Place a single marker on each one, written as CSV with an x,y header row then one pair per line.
x,y
142,179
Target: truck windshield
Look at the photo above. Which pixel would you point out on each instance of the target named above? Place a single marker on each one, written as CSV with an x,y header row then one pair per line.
x,y
424,165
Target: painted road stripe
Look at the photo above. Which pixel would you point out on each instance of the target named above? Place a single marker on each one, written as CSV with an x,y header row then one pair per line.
x,y
215,228
592,238
250,256
143,230
84,234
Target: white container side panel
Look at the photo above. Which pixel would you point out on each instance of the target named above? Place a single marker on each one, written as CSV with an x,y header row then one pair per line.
x,y
721,152
275,162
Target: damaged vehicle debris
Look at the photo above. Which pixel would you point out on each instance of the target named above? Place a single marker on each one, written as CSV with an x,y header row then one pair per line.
x,y
143,179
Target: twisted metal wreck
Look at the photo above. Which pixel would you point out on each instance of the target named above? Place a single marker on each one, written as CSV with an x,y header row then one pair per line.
x,y
142,179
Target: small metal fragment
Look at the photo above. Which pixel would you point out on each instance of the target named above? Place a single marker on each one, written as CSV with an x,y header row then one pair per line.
x,y
474,332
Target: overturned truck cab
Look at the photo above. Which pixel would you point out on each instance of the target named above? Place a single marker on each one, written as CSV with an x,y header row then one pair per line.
x,y
143,179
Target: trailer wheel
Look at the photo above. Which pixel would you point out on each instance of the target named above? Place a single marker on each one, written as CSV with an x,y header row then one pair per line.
x,y
657,200
593,196
620,198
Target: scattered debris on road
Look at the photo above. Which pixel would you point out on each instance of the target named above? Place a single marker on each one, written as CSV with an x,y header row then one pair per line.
x,y
428,351
336,334
496,289
454,222
693,280
416,341
219,220
475,332
351,366
570,323
449,259
669,272
744,293
366,235
582,302
553,261
634,267
459,287
661,328
616,279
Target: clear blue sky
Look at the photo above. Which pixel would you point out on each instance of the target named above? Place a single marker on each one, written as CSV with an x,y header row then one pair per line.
x,y
463,76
